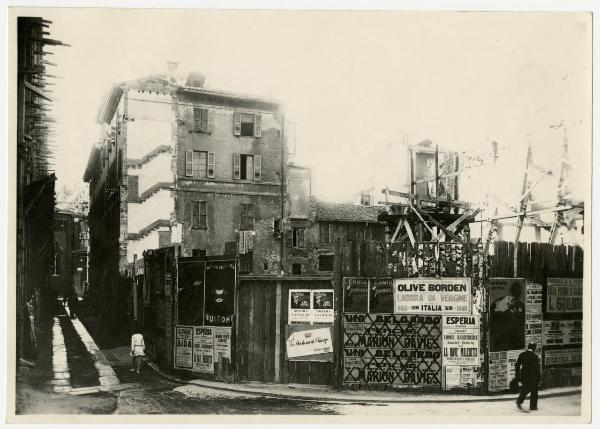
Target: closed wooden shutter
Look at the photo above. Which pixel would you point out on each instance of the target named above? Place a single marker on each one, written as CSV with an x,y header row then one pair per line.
x,y
204,120
243,217
211,164
197,118
189,159
195,214
257,166
250,216
203,214
237,123
257,124
236,165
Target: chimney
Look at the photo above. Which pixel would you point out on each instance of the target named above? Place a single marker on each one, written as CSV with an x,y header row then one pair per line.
x,y
171,70
195,79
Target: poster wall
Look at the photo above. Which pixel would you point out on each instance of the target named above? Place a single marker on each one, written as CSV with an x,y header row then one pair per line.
x,y
310,306
448,295
397,349
201,348
502,369
507,314
460,340
564,296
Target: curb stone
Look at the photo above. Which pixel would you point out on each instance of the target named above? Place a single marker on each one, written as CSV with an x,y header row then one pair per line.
x,y
337,398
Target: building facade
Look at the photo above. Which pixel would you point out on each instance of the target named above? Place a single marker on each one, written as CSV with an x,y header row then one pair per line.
x,y
35,180
181,164
69,266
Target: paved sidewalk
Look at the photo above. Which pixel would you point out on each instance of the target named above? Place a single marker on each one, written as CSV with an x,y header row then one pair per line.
x,y
324,394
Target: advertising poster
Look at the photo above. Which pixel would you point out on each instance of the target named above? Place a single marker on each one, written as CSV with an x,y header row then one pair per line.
x,y
304,342
222,343
219,293
533,303
449,295
498,372
299,310
507,314
395,349
204,349
511,362
322,306
564,295
381,296
562,356
458,376
184,336
460,340
356,295
533,332
562,332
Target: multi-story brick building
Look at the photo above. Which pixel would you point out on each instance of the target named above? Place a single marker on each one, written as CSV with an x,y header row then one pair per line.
x,y
179,163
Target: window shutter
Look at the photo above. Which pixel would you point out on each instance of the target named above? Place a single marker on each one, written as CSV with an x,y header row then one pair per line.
x,y
189,156
195,214
243,216
236,165
257,124
204,120
203,214
257,164
301,237
197,118
250,216
211,164
237,123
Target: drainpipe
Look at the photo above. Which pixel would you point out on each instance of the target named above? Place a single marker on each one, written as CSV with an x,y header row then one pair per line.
x,y
282,188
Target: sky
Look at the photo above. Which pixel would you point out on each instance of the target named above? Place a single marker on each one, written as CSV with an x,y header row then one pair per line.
x,y
352,82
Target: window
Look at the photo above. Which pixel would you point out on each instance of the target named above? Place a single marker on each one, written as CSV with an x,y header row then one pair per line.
x,y
325,262
324,232
246,263
351,234
247,217
199,163
247,167
298,237
297,269
199,214
201,119
247,124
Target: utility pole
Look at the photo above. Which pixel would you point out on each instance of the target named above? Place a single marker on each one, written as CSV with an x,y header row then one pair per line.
x,y
522,208
562,190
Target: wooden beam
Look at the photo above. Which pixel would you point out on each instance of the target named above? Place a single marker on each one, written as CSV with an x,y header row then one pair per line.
x,y
409,232
433,235
398,228
441,176
454,225
456,203
442,227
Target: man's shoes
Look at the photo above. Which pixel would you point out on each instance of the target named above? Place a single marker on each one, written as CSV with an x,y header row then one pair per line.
x,y
521,408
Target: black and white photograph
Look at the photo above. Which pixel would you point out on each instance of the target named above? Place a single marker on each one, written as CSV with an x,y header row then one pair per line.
x,y
297,214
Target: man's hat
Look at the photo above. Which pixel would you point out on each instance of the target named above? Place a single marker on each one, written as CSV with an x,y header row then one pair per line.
x,y
531,346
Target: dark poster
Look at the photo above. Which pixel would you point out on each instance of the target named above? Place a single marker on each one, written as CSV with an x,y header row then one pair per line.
x,y
219,293
190,293
507,314
381,296
392,349
356,295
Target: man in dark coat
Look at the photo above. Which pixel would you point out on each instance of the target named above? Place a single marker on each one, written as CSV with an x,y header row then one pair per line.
x,y
527,371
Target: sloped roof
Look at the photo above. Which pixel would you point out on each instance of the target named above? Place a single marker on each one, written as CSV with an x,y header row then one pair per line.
x,y
341,212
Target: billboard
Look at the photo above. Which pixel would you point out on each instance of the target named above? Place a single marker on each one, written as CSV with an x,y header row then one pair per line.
x,y
564,296
219,293
507,314
448,295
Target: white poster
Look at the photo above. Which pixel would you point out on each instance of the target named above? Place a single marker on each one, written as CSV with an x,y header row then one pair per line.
x,y
458,376
222,343
204,349
460,340
299,307
184,347
322,306
533,298
497,377
562,356
564,295
310,342
449,295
